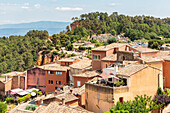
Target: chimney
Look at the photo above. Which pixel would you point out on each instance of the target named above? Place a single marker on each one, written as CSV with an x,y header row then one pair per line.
x,y
63,101
116,67
6,78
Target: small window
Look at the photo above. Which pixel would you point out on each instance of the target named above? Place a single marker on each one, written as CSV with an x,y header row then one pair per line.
x,y
51,81
58,73
56,88
56,82
96,57
50,72
59,82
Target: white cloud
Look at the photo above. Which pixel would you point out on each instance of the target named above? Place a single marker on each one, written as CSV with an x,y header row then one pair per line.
x,y
37,5
25,7
113,4
69,9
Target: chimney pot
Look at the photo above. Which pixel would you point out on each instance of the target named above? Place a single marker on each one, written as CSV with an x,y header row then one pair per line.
x,y
63,101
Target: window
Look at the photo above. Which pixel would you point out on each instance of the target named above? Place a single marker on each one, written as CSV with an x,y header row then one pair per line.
x,y
56,82
121,99
50,81
78,83
67,64
58,73
56,88
60,82
96,57
50,72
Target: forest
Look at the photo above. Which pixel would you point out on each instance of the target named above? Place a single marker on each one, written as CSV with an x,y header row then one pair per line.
x,y
19,53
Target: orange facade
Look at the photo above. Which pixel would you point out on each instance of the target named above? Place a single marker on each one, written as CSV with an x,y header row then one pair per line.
x,y
54,81
166,73
81,80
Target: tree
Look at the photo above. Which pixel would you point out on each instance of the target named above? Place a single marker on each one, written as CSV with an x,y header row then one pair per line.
x,y
154,44
3,107
113,32
140,104
111,40
99,32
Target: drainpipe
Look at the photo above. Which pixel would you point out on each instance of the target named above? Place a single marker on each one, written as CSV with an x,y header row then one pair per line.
x,y
98,99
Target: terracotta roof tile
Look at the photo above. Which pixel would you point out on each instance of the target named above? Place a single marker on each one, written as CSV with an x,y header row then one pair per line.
x,y
112,57
110,46
82,64
87,74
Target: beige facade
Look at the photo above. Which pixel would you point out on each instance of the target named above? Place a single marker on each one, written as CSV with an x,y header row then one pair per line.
x,y
101,98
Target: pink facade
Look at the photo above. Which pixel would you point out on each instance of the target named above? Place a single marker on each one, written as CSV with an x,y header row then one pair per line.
x,y
36,78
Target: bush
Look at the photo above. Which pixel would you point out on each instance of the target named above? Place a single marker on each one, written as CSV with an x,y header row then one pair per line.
x,y
31,107
111,40
119,83
9,100
40,93
73,54
160,91
24,98
3,107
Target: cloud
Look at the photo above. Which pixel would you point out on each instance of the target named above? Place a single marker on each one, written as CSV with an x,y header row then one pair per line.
x,y
69,9
25,7
37,5
113,4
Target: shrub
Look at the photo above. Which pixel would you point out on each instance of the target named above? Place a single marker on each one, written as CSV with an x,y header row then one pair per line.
x,y
73,54
3,107
119,83
31,107
9,100
160,91
40,93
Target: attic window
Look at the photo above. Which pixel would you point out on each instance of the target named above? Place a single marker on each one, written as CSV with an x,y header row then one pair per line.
x,y
96,57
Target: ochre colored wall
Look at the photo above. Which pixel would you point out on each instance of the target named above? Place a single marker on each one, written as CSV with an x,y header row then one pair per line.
x,y
96,64
98,97
156,64
103,63
150,54
166,73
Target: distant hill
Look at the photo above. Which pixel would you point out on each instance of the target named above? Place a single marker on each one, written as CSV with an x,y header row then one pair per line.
x,y
21,29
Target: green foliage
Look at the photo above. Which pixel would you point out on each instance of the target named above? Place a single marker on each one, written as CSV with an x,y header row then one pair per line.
x,y
111,40
31,107
3,107
141,104
9,100
69,47
113,32
117,111
24,98
135,28
18,53
73,54
97,44
154,44
119,83
160,91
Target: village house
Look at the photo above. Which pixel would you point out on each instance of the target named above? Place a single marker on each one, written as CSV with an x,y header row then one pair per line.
x,y
103,51
48,77
12,80
80,79
138,79
80,93
80,67
165,55
68,61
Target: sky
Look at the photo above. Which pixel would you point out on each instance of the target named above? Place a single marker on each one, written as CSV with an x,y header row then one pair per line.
x,y
23,11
